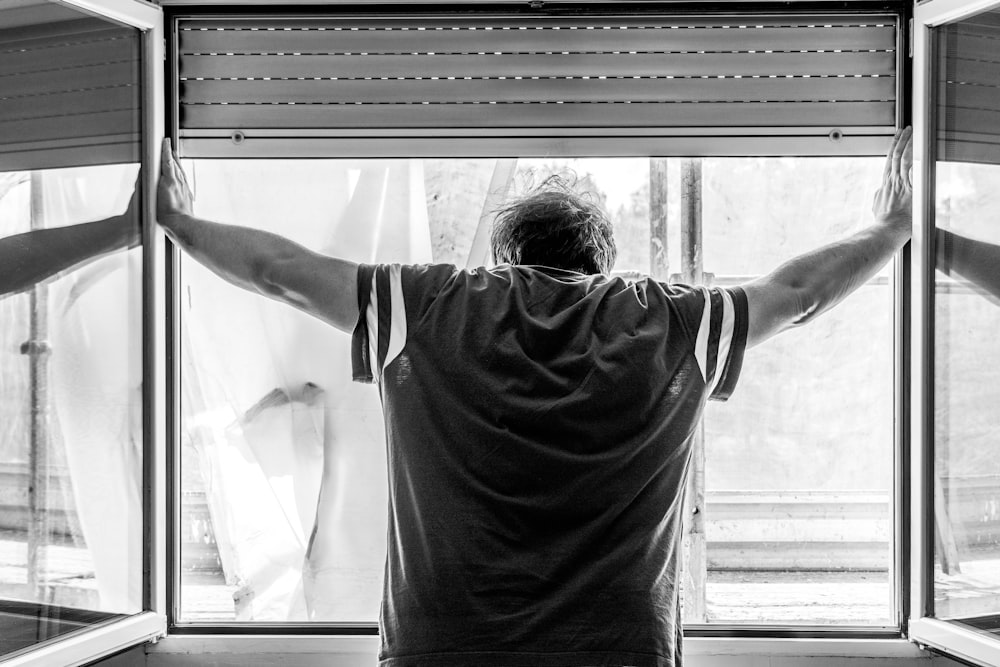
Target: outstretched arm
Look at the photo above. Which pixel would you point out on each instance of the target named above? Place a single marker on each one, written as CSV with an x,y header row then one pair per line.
x,y
799,290
29,258
266,263
976,261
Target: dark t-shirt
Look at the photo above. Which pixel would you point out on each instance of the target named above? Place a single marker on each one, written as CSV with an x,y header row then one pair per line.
x,y
538,425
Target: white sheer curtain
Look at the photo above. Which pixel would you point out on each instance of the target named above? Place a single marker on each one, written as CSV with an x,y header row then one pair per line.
x,y
292,452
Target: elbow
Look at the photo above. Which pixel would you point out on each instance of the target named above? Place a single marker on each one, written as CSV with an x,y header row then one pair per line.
x,y
806,305
265,278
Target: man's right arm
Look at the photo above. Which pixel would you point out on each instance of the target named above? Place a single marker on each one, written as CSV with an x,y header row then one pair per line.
x,y
259,261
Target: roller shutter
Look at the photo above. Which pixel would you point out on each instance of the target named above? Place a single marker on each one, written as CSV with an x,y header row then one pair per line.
x,y
69,95
969,90
565,78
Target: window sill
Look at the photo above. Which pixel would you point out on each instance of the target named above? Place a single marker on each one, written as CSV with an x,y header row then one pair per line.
x,y
354,651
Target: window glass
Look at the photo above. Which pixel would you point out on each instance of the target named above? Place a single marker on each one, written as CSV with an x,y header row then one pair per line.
x,y
71,518
283,457
966,479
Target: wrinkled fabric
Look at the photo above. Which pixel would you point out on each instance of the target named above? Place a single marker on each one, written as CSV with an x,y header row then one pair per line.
x,y
538,427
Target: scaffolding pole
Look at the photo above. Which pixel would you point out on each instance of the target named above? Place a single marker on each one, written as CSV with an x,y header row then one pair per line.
x,y
37,350
692,272
659,268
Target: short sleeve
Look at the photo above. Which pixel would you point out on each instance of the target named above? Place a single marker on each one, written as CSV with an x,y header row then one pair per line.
x,y
387,295
721,339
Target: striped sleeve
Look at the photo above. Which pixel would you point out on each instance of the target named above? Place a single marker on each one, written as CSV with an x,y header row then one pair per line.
x,y
721,339
380,333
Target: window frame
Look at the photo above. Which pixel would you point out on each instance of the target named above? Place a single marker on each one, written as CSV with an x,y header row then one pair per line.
x,y
947,637
680,143
106,638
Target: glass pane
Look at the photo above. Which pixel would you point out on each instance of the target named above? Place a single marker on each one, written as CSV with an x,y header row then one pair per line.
x,y
798,499
70,324
283,459
967,295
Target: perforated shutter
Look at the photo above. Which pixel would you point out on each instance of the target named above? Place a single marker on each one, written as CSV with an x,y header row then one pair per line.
x,y
548,77
969,90
69,95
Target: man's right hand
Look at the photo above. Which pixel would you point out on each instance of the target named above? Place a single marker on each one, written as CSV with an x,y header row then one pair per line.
x,y
173,194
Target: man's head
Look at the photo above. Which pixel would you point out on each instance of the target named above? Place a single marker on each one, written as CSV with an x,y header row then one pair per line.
x,y
554,226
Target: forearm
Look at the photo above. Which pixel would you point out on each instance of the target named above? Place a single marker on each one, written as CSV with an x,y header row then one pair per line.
x,y
824,277
240,255
976,261
29,258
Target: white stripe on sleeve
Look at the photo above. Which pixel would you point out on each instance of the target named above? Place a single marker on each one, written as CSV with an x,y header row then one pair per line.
x,y
725,338
701,342
371,317
397,329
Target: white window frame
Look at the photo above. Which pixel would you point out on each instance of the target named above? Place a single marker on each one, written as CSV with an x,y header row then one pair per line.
x,y
947,637
89,644
680,142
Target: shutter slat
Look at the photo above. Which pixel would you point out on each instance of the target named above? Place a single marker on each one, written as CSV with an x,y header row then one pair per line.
x,y
68,105
62,56
639,64
970,96
652,39
973,47
83,125
640,114
973,71
101,75
540,90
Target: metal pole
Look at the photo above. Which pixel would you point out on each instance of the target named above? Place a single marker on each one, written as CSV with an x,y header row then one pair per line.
x,y
37,349
695,610
658,262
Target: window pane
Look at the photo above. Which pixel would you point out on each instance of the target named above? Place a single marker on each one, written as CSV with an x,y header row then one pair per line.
x,y
967,470
71,550
966,480
283,460
798,466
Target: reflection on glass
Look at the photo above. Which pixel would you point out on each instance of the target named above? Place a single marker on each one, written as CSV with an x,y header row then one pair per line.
x,y
283,457
70,346
967,317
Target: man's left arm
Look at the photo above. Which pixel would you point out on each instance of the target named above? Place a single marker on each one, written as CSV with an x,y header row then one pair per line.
x,y
803,288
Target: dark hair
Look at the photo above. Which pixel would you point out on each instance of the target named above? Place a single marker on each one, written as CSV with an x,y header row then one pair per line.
x,y
553,225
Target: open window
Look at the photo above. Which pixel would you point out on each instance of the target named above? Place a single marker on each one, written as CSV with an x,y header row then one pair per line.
x,y
393,137
78,442
956,480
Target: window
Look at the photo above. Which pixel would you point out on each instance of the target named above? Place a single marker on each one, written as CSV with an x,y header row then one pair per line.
x,y
74,452
958,483
281,457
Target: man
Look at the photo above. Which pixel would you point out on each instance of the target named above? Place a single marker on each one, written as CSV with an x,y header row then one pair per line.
x,y
538,416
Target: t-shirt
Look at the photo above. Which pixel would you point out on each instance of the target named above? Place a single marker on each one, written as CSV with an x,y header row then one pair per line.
x,y
538,425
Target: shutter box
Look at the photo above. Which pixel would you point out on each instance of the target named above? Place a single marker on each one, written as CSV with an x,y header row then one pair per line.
x,y
511,85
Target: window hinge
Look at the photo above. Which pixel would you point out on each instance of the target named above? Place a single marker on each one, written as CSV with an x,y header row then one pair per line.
x,y
910,37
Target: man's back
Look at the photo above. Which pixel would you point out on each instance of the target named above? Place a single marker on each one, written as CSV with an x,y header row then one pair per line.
x,y
538,426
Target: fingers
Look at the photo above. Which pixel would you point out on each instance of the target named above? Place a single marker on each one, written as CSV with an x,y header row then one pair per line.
x,y
899,148
170,167
887,172
906,161
165,154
